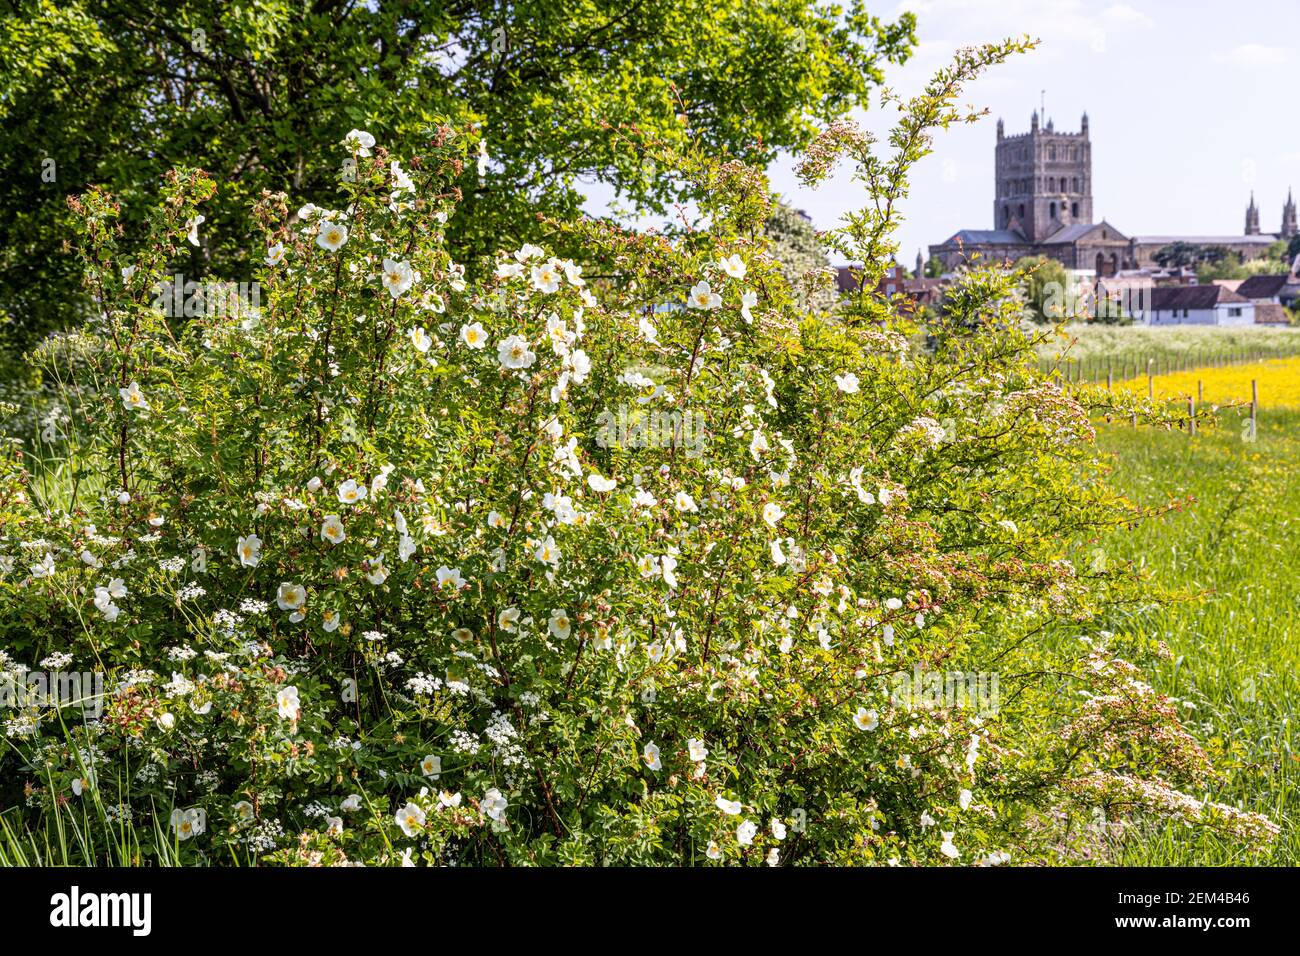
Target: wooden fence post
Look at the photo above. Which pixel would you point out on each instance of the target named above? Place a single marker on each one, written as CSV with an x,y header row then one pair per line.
x,y
1254,409
1191,415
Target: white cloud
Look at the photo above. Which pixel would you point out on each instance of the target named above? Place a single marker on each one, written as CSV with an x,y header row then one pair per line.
x,y
1121,15
1064,27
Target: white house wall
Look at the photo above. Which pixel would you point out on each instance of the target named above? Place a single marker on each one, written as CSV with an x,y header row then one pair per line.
x,y
1247,316
1219,315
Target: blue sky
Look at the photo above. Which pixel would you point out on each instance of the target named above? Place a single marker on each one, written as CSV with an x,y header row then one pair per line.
x,y
1191,105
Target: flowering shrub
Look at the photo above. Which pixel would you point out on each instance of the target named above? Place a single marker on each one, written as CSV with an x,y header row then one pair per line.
x,y
368,589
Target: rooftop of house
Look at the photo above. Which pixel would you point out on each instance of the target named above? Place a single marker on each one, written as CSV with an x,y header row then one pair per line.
x,y
1192,297
1271,313
1262,287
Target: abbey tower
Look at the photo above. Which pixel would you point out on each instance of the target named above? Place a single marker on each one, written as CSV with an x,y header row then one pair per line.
x,y
1042,206
1044,180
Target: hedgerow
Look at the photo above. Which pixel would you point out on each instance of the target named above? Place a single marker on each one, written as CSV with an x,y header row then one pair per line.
x,y
631,560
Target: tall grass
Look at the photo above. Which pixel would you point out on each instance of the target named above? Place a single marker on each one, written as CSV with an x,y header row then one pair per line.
x,y
85,830
82,833
1236,651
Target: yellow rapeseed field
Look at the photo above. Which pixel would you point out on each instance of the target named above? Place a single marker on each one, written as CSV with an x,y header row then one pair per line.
x,y
1278,379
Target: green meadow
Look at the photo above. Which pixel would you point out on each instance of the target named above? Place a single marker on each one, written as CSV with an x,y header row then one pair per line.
x,y
1235,667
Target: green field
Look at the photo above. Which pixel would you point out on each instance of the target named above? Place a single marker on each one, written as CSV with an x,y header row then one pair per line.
x,y
1236,650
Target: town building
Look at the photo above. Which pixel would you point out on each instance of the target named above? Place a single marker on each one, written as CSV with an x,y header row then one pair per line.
x,y
1273,295
1197,305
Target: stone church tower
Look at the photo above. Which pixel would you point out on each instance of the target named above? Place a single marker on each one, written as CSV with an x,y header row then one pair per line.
x,y
1044,180
1042,206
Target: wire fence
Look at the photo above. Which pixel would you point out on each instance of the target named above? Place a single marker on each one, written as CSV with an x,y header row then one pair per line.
x,y
1155,366
1096,369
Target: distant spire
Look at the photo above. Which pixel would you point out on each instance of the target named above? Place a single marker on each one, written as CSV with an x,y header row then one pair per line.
x,y
1252,217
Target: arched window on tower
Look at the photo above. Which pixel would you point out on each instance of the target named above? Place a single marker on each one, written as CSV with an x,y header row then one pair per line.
x,y
1074,210
1051,184
1074,184
1021,212
1052,207
1006,216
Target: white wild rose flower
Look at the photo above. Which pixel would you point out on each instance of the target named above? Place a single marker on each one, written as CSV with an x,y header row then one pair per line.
x,y
703,297
331,236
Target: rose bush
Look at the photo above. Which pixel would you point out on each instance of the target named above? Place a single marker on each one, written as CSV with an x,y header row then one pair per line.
x,y
373,580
